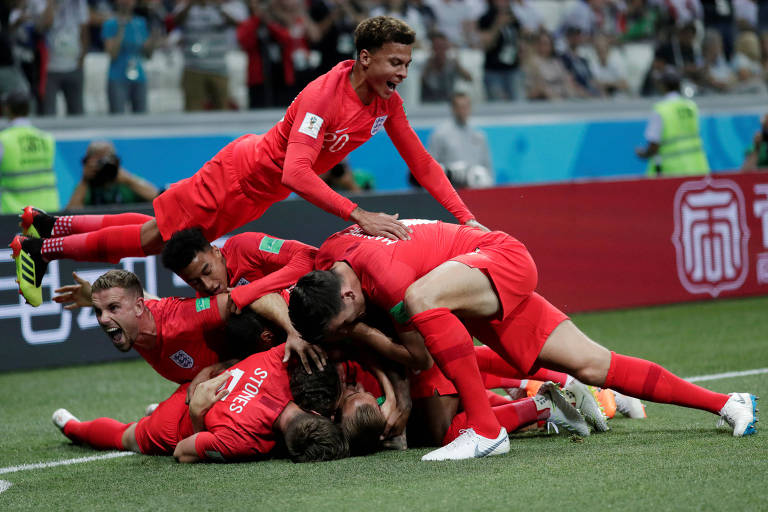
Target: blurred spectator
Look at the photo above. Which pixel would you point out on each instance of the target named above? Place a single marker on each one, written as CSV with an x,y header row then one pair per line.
x,y
756,155
428,16
155,14
762,15
498,31
682,53
455,19
26,160
14,50
718,74
745,14
718,16
292,66
639,21
747,62
253,35
683,12
608,70
65,24
402,10
341,178
127,41
461,149
204,42
105,181
577,65
592,16
545,76
99,11
528,17
441,71
674,144
336,21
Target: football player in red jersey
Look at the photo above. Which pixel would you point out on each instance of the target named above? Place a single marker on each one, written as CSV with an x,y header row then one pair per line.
x,y
237,415
332,116
449,283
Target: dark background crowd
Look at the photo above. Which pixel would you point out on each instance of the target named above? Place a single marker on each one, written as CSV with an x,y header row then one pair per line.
x,y
507,49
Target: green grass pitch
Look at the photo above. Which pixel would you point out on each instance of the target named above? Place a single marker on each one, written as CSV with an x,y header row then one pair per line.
x,y
674,460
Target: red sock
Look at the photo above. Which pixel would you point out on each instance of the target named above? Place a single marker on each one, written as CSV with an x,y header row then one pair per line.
x,y
649,381
495,399
544,375
494,382
74,224
451,347
511,415
107,244
101,433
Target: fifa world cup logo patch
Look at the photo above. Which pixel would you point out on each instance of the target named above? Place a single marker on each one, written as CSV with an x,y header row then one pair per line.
x,y
711,236
183,359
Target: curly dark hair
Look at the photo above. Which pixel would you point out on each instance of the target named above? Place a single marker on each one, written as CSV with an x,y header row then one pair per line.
x,y
318,391
182,248
373,33
313,438
244,333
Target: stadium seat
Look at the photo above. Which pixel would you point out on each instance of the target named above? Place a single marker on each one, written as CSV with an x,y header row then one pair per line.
x,y
638,58
237,69
95,68
164,81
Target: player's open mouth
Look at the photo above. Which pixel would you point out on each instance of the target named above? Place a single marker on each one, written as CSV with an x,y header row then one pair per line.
x,y
391,85
115,334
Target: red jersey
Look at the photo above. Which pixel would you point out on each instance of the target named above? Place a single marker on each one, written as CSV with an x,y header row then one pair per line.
x,y
354,373
240,425
386,268
188,337
258,264
323,125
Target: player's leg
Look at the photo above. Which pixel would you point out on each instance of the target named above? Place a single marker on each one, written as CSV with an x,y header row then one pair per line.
x,y
101,433
36,223
432,301
492,364
571,350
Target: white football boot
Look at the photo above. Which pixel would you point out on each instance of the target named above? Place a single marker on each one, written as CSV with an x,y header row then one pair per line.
x,y
740,412
629,406
562,414
61,417
583,398
470,445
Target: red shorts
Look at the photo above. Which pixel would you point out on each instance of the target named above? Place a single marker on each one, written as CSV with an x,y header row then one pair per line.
x,y
429,383
508,265
519,336
212,199
161,431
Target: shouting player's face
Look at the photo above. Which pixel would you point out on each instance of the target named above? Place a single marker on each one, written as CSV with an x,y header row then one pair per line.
x,y
207,272
117,311
386,68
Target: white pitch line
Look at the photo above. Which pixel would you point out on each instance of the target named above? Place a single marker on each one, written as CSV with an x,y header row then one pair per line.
x,y
726,375
4,485
40,465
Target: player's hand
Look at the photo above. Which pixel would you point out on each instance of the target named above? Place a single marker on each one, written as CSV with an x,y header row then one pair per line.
x,y
231,306
202,376
208,393
396,443
473,223
381,224
294,344
76,295
396,420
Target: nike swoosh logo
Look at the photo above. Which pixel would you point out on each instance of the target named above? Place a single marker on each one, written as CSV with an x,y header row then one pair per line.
x,y
342,130
483,453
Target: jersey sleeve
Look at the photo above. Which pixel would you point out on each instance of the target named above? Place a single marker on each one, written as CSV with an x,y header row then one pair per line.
x,y
223,445
194,315
426,170
296,259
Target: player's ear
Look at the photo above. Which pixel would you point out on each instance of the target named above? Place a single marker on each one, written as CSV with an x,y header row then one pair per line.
x,y
139,305
364,57
267,336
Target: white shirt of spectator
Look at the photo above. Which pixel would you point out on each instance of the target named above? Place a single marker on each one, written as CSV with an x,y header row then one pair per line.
x,y
64,35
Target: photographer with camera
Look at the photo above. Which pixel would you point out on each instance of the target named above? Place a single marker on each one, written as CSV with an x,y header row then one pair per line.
x,y
757,154
104,181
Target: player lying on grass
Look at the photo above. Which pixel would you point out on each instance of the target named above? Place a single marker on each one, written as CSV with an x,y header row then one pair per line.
x,y
449,283
241,414
332,116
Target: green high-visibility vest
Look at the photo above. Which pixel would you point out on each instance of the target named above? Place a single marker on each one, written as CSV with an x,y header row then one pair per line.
x,y
26,170
680,148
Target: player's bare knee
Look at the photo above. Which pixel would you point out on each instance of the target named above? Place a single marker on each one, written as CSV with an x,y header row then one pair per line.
x,y
594,370
418,298
129,440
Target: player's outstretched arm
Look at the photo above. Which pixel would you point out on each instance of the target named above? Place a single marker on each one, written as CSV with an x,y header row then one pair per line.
x,y
382,344
74,296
